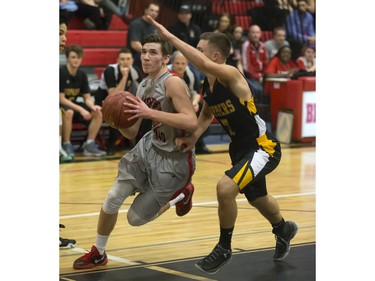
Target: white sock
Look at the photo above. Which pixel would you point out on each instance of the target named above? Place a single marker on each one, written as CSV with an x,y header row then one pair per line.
x,y
101,242
177,199
89,141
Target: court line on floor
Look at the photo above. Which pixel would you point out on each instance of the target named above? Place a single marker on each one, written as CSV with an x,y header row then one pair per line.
x,y
152,267
195,204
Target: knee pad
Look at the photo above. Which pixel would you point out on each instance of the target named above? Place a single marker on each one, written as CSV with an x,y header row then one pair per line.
x,y
112,202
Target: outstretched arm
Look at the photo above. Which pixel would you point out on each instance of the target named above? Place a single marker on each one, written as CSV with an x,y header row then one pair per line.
x,y
197,58
227,75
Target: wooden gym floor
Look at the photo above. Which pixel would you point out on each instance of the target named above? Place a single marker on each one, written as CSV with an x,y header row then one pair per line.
x,y
168,248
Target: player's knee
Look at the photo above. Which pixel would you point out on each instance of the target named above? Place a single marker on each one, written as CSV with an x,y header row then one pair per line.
x,y
226,191
134,219
137,220
68,115
97,115
112,203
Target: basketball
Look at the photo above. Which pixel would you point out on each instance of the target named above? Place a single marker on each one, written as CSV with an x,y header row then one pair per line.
x,y
113,111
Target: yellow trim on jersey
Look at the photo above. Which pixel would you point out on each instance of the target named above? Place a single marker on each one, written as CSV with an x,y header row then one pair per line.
x,y
250,105
267,144
245,179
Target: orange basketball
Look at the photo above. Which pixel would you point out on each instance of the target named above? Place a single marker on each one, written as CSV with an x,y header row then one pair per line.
x,y
113,111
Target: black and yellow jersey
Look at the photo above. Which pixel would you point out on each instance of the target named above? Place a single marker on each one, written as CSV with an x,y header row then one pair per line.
x,y
239,118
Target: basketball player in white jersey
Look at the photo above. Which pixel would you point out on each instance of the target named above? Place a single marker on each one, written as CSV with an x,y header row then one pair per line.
x,y
155,168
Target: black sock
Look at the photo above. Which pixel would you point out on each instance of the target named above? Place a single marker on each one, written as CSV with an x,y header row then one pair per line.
x,y
226,237
279,227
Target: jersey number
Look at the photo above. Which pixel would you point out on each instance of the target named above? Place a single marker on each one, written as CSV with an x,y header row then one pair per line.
x,y
225,123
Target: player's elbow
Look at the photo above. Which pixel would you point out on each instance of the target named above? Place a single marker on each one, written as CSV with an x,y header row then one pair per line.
x,y
192,125
203,66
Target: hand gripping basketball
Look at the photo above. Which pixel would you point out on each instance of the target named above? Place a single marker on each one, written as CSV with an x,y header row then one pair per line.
x,y
113,111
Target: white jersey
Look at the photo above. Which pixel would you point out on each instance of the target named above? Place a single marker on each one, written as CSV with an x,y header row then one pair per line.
x,y
152,92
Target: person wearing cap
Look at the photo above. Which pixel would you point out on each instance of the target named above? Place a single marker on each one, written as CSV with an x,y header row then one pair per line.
x,y
184,28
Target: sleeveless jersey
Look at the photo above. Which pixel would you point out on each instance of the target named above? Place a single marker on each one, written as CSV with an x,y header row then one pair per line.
x,y
239,118
152,92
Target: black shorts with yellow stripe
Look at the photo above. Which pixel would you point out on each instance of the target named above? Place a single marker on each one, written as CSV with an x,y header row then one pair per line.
x,y
250,169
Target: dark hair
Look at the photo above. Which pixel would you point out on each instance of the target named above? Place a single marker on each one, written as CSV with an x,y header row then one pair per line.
x,y
278,28
156,3
74,48
124,50
281,49
166,46
220,41
64,17
226,15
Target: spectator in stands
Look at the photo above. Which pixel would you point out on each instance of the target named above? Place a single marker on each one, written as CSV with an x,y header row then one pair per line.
x,y
235,57
256,61
275,12
307,60
300,28
187,31
120,76
282,64
278,40
94,16
224,24
74,84
140,27
111,6
180,67
184,28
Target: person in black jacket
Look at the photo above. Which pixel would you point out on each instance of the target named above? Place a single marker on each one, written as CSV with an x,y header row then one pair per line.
x,y
184,28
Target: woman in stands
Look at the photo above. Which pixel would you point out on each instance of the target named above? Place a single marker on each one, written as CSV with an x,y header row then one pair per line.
x,y
282,65
224,24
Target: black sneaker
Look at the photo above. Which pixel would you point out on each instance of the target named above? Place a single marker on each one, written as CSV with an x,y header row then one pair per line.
x,y
67,243
216,259
283,242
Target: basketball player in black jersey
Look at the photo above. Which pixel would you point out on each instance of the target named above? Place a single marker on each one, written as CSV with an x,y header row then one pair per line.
x,y
254,151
